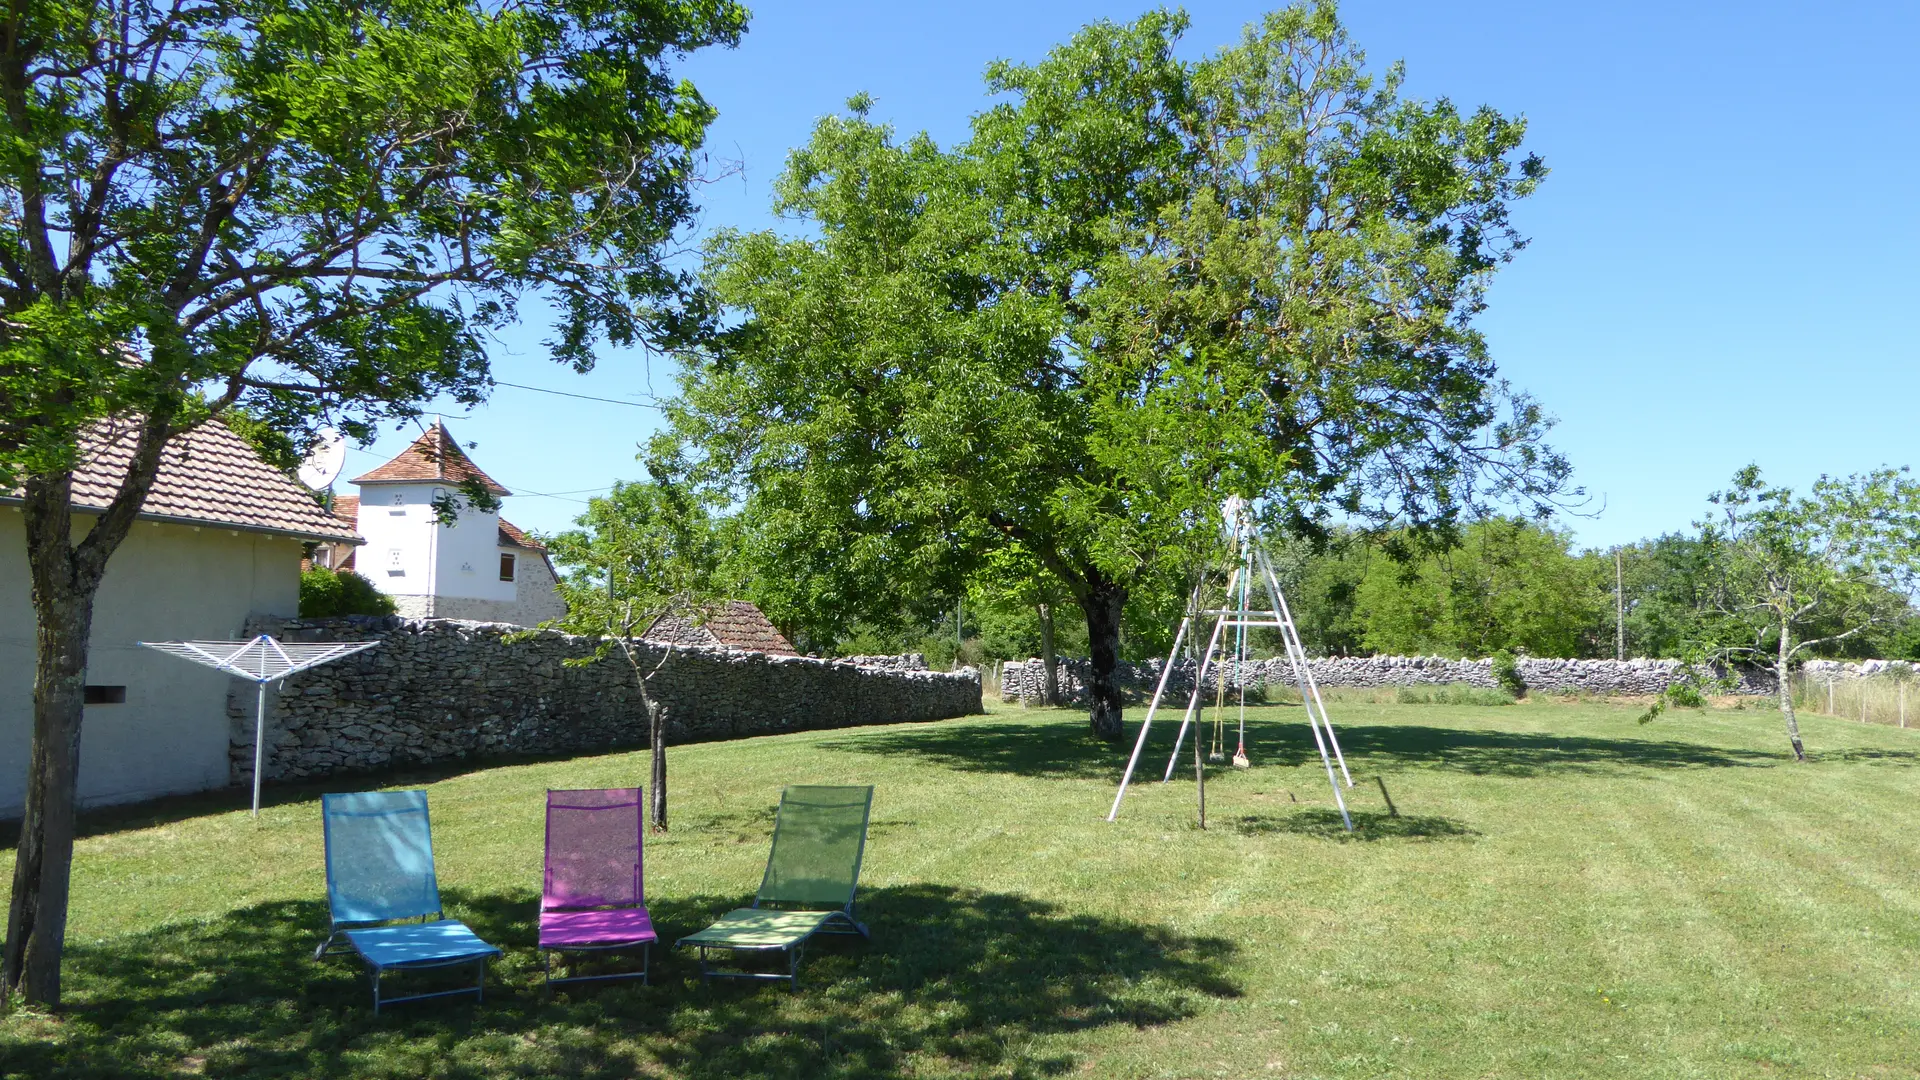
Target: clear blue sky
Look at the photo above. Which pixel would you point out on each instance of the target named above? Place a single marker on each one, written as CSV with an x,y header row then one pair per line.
x,y
1722,267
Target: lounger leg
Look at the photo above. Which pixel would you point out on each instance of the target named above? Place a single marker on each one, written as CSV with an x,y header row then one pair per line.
x,y
646,964
376,991
480,981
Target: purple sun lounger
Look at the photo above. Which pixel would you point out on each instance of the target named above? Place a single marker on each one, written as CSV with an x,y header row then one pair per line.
x,y
380,870
594,897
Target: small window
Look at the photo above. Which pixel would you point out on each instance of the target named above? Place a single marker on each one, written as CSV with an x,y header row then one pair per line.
x,y
105,695
393,563
506,567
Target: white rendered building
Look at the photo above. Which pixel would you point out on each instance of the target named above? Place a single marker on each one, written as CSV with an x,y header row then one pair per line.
x,y
218,542
481,567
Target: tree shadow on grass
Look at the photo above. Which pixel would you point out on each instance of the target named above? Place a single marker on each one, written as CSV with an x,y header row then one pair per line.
x,y
1368,826
1511,753
953,981
171,809
1056,749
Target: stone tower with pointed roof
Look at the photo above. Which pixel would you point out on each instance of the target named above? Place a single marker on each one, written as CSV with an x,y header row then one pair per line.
x,y
481,567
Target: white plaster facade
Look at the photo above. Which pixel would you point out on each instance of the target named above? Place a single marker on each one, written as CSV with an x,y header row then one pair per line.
x,y
478,568
166,581
409,554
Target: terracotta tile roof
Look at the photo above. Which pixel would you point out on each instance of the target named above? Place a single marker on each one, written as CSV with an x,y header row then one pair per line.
x,y
735,625
347,509
512,535
208,476
434,456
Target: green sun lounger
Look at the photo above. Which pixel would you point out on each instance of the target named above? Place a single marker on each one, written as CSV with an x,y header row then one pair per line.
x,y
818,839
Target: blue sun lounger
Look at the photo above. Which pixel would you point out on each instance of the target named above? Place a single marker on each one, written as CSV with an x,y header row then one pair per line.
x,y
380,870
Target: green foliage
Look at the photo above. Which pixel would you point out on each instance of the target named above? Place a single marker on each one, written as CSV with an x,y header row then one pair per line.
x,y
325,593
1665,583
636,551
1140,284
1687,696
1506,672
306,188
1508,584
1790,573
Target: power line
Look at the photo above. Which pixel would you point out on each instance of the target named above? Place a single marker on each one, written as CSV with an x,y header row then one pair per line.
x,y
582,397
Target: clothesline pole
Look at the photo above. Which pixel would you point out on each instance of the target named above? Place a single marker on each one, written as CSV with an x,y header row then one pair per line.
x,y
261,661
259,746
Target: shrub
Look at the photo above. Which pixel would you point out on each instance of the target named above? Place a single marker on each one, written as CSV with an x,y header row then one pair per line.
x,y
1506,672
325,593
1686,695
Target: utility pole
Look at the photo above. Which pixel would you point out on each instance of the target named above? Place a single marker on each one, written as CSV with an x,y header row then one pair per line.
x,y
1619,611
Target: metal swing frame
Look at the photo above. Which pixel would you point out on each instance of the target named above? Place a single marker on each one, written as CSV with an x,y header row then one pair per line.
x,y
1240,616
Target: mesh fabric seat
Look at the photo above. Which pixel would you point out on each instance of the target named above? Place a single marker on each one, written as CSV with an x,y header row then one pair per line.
x,y
380,870
594,895
812,873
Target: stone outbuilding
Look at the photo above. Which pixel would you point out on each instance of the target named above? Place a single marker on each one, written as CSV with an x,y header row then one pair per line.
x,y
734,624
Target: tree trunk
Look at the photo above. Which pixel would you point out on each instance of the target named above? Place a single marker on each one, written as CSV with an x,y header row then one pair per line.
x,y
657,780
1103,602
1049,662
656,739
1786,697
63,598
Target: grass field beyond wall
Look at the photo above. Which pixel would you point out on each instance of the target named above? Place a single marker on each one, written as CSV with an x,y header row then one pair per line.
x,y
1564,893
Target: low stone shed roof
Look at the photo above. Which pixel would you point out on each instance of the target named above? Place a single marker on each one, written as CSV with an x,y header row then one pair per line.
x,y
735,624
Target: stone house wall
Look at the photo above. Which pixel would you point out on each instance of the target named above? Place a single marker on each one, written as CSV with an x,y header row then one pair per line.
x,y
440,689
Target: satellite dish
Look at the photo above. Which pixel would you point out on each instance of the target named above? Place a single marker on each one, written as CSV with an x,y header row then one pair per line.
x,y
323,465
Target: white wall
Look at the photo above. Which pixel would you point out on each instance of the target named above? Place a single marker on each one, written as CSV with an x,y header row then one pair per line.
x,y
397,517
468,559
460,561
165,582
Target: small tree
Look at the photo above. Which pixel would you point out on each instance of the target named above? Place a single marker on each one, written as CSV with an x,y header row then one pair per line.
x,y
1012,579
1791,575
642,550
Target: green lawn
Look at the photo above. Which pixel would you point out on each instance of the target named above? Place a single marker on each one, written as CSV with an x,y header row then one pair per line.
x,y
1564,894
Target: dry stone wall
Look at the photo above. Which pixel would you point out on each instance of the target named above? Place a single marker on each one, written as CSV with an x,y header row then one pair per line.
x,y
1024,681
912,661
437,689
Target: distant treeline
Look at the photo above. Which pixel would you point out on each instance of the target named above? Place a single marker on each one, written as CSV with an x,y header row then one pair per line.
x,y
1503,584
